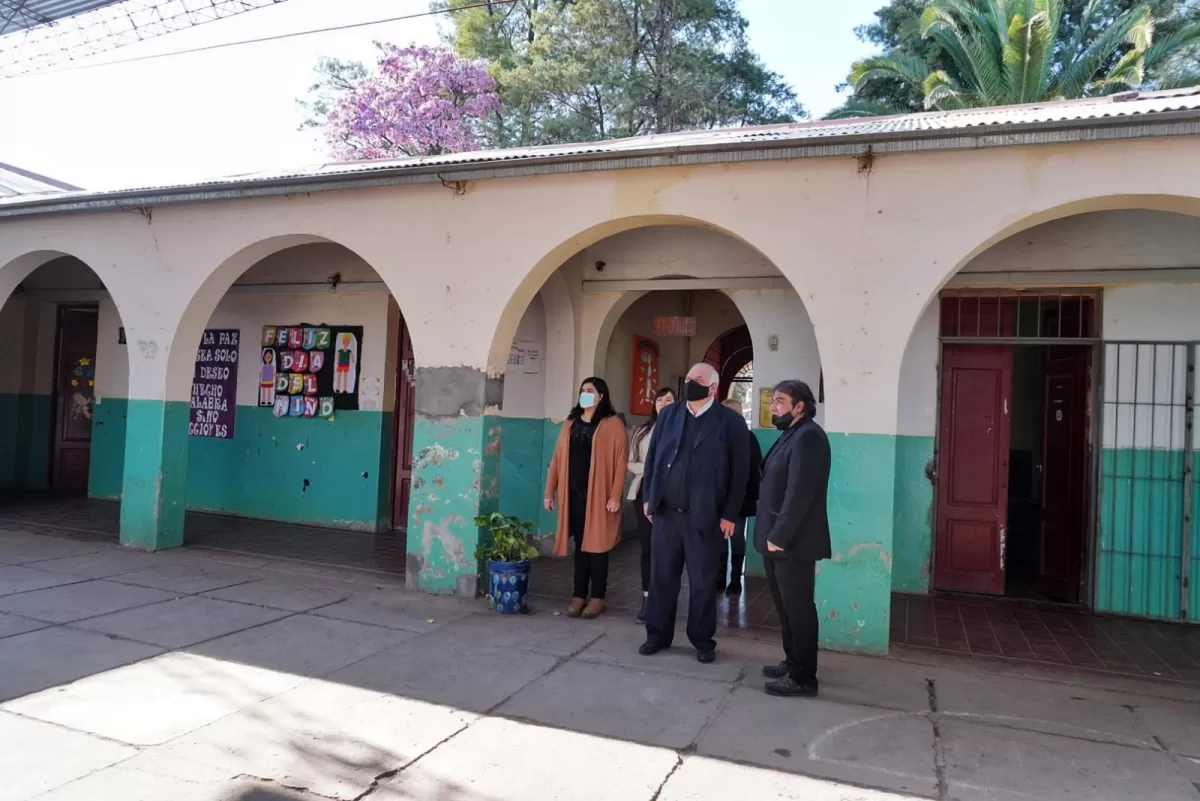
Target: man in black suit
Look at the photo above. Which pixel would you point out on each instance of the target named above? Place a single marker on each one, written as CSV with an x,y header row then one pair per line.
x,y
693,484
792,533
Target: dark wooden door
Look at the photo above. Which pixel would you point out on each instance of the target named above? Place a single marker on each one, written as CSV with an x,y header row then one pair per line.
x,y
1064,473
405,415
972,472
74,391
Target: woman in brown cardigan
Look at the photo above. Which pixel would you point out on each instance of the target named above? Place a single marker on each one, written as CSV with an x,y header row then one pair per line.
x,y
586,481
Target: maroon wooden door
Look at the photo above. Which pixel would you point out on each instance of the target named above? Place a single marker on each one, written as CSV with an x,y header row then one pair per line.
x,y
1064,473
972,477
74,391
405,415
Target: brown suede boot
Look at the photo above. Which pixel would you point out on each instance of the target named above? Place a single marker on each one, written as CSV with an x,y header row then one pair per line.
x,y
576,607
594,609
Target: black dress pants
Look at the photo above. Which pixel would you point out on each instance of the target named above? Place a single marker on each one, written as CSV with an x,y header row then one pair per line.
x,y
677,543
591,569
792,583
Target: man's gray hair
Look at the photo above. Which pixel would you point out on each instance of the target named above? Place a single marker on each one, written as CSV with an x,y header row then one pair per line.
x,y
714,377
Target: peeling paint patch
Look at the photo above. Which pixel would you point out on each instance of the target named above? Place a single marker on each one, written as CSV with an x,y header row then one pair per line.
x,y
446,498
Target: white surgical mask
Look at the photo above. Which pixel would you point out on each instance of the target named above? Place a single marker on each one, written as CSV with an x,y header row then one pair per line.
x,y
586,400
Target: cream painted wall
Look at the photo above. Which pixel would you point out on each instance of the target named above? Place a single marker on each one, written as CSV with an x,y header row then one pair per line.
x,y
457,266
12,333
1145,373
919,378
779,313
1108,240
525,384
672,251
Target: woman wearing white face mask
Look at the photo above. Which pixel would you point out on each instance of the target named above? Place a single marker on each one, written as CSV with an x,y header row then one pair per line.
x,y
586,479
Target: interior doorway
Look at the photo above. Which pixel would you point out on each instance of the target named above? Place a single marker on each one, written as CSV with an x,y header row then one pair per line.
x,y
1014,448
74,394
404,416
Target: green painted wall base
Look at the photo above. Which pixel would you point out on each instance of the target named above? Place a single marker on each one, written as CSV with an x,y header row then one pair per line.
x,y
154,492
335,474
527,445
912,537
1139,562
26,421
456,476
854,588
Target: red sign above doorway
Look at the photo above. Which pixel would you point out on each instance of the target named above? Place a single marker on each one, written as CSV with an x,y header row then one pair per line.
x,y
674,326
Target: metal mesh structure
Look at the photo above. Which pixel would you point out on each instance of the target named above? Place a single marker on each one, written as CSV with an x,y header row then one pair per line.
x,y
56,40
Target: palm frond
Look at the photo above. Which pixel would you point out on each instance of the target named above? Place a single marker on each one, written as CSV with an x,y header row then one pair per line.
x,y
976,55
1018,55
1166,48
944,94
909,69
859,108
1081,72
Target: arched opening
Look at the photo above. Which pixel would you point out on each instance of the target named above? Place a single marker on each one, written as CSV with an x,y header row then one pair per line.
x,y
65,358
300,427
644,305
1044,451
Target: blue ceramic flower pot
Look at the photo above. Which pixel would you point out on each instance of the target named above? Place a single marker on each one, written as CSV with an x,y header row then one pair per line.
x,y
508,586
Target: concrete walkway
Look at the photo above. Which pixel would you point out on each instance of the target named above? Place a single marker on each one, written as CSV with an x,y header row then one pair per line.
x,y
203,676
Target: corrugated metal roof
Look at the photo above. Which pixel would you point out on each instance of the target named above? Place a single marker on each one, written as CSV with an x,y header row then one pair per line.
x,y
28,14
15,181
1137,113
1130,104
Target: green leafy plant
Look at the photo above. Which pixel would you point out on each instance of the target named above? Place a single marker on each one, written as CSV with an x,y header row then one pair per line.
x,y
508,539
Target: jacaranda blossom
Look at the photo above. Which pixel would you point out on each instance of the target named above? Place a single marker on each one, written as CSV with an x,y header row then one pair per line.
x,y
420,101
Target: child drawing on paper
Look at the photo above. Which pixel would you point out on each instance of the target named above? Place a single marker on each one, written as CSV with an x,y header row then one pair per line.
x,y
345,363
266,379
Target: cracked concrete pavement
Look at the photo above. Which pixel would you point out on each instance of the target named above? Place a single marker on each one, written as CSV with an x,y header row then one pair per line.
x,y
199,675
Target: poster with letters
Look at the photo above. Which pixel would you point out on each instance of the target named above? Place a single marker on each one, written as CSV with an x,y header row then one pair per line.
x,y
309,370
214,384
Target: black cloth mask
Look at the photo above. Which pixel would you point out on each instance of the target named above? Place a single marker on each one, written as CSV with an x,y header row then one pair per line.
x,y
694,391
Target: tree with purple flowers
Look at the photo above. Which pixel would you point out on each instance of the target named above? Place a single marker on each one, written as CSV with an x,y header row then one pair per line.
x,y
420,101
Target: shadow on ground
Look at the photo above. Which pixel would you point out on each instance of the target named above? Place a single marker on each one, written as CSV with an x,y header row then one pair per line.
x,y
208,677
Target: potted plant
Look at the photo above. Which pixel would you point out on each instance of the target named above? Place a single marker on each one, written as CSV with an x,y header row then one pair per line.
x,y
507,552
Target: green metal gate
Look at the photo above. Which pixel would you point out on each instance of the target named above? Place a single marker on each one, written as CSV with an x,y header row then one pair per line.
x,y
1148,543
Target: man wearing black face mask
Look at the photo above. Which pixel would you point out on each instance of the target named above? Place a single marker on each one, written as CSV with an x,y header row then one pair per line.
x,y
693,483
792,533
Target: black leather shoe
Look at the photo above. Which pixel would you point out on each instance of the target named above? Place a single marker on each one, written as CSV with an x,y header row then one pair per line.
x,y
650,648
706,657
641,615
775,671
787,687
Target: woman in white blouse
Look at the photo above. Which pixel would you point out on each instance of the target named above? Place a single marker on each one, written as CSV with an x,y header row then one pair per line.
x,y
639,446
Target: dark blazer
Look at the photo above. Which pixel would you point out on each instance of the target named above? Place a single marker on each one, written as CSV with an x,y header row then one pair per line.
x,y
792,511
720,464
750,504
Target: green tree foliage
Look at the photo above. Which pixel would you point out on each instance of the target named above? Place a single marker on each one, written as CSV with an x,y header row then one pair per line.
x,y
949,54
335,78
580,70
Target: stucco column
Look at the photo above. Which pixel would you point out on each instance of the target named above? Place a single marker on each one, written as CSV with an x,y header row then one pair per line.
x,y
154,490
456,476
154,486
860,323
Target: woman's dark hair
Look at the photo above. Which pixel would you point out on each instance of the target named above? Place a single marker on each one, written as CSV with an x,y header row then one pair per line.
x,y
604,407
799,392
653,418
